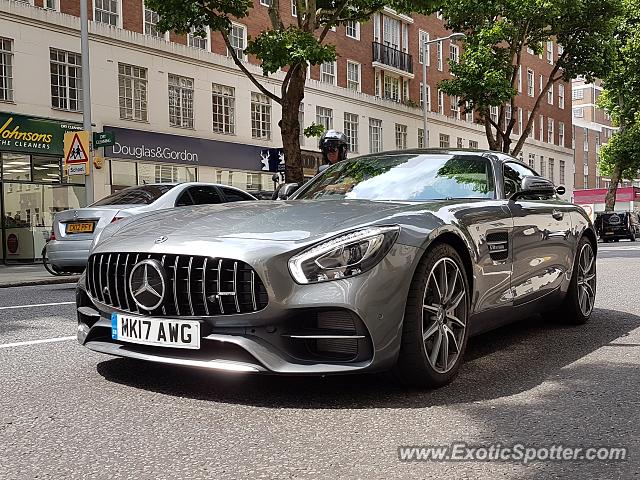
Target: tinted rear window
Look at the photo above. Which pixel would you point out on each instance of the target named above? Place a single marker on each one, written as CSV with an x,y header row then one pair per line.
x,y
141,195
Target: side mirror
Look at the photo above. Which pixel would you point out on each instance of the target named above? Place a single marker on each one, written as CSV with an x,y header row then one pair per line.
x,y
535,186
287,190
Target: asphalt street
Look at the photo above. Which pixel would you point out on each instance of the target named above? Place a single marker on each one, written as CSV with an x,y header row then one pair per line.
x,y
68,413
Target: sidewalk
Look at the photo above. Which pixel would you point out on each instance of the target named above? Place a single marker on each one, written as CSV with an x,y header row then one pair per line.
x,y
21,275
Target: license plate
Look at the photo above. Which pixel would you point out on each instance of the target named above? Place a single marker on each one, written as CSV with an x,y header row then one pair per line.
x,y
160,332
608,233
80,227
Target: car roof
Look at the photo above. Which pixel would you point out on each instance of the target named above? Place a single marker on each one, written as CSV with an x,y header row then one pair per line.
x,y
435,151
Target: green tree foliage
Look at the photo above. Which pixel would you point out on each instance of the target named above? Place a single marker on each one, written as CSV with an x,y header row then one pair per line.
x,y
498,35
620,157
289,46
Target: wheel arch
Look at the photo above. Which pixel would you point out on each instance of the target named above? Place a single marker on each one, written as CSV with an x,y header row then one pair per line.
x,y
454,240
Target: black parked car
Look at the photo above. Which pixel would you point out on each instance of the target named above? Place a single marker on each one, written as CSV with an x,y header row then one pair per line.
x,y
612,226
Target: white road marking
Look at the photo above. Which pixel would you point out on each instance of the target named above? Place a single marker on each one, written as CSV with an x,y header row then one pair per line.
x,y
37,305
34,342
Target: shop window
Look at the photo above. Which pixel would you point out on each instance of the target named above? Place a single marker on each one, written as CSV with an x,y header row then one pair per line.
x,y
123,174
46,169
16,166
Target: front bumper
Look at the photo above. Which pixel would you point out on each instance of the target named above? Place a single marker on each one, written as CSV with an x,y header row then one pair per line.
x,y
333,327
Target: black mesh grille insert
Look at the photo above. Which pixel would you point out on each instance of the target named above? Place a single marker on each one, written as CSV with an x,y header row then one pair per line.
x,y
196,286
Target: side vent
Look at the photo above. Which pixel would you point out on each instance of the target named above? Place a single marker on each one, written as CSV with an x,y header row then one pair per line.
x,y
498,243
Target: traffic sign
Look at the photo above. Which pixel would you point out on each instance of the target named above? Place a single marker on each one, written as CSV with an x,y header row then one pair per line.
x,y
76,147
103,139
77,169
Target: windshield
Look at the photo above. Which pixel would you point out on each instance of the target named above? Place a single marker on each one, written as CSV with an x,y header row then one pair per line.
x,y
141,195
404,177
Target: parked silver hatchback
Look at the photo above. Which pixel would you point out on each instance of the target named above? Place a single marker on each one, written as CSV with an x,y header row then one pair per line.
x,y
74,230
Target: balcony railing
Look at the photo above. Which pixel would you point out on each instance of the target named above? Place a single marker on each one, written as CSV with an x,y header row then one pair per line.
x,y
392,57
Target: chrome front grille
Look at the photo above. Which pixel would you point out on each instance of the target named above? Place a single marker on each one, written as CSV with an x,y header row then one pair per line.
x,y
197,286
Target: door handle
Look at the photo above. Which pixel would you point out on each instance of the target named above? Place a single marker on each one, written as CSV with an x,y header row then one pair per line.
x,y
557,214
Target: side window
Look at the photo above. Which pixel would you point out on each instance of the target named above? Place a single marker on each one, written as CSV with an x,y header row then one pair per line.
x,y
203,195
184,199
513,173
235,195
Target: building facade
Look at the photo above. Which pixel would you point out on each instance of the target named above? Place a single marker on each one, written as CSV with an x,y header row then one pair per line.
x,y
181,110
591,129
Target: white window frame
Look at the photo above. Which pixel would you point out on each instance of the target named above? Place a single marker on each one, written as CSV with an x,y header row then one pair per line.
x,y
440,102
191,37
428,96
324,117
294,8
265,3
422,38
561,96
6,69
444,140
541,128
577,93
260,116
562,172
550,52
66,88
561,134
391,89
550,95
131,80
454,52
578,112
243,55
184,104
401,136
350,82
531,86
223,98
351,126
453,107
376,140
118,13
519,78
356,28
165,35
550,131
326,75
439,56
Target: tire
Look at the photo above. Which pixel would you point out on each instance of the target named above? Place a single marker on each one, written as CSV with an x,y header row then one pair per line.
x,y
418,363
572,310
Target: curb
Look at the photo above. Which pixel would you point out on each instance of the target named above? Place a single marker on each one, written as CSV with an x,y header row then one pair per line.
x,y
46,281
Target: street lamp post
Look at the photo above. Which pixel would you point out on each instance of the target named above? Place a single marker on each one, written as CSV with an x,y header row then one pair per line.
x,y
86,90
453,36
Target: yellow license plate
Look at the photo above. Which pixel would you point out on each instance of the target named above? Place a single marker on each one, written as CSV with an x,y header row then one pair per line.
x,y
80,227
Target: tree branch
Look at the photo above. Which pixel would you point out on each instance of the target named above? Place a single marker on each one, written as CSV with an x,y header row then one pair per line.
x,y
244,69
536,107
274,15
336,14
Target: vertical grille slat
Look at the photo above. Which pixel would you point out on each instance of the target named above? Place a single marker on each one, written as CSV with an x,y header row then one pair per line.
x,y
253,290
119,305
189,285
220,287
175,284
204,287
235,285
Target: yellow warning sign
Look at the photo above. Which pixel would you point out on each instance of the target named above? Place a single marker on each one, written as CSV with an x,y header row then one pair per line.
x,y
76,147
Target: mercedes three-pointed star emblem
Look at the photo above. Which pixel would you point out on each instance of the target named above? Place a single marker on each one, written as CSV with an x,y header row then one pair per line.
x,y
147,284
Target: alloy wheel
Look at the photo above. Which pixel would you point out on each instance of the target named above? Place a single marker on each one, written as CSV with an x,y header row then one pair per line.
x,y
586,279
444,315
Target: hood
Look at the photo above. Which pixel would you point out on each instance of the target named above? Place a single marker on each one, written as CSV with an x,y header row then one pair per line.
x,y
294,220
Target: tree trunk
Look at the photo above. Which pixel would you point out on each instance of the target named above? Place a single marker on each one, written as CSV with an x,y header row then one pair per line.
x,y
290,126
610,199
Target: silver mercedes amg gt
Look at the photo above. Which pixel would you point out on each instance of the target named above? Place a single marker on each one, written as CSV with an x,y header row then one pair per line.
x,y
386,261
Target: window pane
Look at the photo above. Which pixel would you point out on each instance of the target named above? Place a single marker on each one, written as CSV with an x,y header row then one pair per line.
x,y
46,169
16,166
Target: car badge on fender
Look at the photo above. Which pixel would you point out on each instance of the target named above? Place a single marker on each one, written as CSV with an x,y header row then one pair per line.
x,y
162,239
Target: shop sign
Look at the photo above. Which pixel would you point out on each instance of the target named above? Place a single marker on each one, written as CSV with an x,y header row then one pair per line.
x,y
159,147
31,135
103,139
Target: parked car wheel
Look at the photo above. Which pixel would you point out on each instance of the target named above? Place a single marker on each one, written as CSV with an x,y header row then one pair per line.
x,y
434,334
578,304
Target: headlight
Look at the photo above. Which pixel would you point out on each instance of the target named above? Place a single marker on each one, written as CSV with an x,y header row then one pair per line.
x,y
343,256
